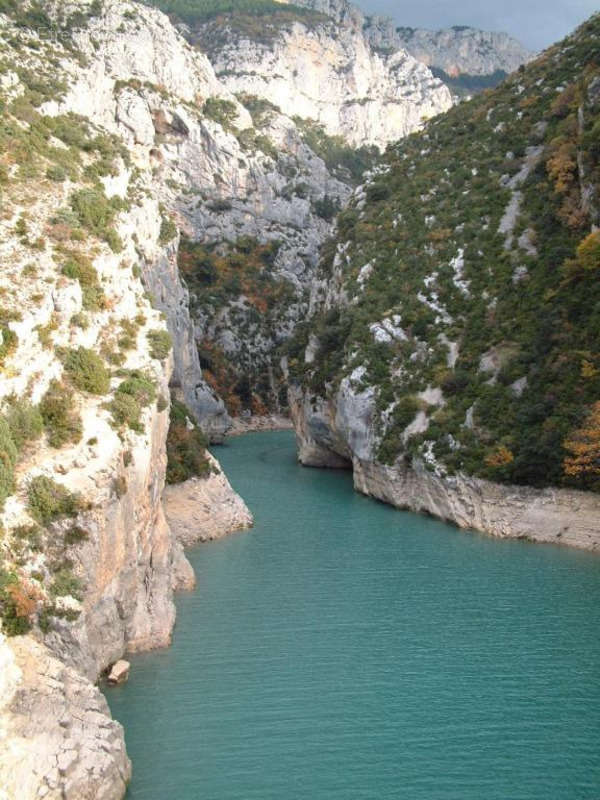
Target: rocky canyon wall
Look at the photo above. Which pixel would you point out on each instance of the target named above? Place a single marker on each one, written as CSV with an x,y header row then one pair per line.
x,y
340,434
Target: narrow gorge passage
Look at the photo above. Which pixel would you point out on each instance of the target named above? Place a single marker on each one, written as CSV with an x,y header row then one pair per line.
x,y
344,650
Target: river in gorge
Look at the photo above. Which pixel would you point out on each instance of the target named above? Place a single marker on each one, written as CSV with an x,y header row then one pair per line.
x,y
343,650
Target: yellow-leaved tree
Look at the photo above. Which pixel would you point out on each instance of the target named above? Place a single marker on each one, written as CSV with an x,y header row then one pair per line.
x,y
584,446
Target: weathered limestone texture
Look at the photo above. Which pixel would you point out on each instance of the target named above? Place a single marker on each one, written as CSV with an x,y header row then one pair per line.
x,y
201,509
57,738
339,434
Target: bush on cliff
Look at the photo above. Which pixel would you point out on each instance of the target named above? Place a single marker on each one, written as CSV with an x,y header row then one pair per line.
x,y
186,447
160,343
87,370
49,500
8,460
24,420
135,393
60,416
17,604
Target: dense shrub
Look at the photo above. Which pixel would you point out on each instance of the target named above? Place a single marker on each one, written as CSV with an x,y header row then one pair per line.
x,y
140,386
160,343
49,500
198,10
8,342
66,583
8,460
87,370
80,268
326,207
75,534
24,420
56,173
126,411
97,213
60,416
136,392
186,447
341,159
17,604
222,111
168,230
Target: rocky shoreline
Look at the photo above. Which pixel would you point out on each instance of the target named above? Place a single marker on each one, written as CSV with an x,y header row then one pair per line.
x,y
57,737
339,435
557,516
202,509
256,424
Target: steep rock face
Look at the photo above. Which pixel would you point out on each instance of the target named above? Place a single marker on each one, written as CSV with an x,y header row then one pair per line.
x,y
222,176
142,82
556,516
327,71
427,364
125,558
127,563
335,434
456,50
260,215
87,559
57,738
161,276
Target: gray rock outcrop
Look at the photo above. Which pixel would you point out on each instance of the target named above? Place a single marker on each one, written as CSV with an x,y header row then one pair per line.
x,y
201,509
57,738
456,51
340,433
325,69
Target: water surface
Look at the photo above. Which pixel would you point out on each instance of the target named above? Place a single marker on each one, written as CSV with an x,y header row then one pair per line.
x,y
343,650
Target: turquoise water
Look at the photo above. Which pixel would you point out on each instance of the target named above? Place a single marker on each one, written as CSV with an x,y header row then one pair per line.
x,y
342,650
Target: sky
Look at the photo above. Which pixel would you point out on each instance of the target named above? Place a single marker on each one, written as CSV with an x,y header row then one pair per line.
x,y
536,23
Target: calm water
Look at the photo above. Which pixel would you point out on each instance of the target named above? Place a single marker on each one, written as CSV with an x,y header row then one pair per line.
x,y
346,651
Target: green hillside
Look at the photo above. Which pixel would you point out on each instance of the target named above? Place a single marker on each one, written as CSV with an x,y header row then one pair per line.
x,y
195,12
483,262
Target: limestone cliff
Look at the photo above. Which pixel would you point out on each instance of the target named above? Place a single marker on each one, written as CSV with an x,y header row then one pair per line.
x,y
223,176
451,359
457,50
88,564
57,738
324,68
341,434
201,509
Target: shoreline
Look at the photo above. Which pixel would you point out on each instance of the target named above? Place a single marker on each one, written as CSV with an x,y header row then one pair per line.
x,y
259,424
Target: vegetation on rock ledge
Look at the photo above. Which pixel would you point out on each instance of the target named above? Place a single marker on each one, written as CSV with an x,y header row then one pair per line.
x,y
186,447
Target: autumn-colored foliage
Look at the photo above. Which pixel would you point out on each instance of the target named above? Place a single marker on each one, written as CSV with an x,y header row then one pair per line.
x,y
24,599
584,447
501,457
587,257
186,447
242,268
562,165
588,252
